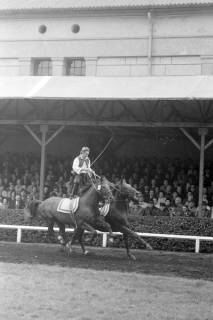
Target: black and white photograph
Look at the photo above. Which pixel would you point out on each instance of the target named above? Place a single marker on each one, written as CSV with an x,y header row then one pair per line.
x,y
106,159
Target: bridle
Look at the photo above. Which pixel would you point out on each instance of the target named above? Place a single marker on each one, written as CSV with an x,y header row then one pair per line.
x,y
100,187
126,193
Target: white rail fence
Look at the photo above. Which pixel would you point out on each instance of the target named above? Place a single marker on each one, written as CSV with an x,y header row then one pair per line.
x,y
197,239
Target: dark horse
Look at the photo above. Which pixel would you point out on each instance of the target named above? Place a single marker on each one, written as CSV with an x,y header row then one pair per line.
x,y
118,212
86,217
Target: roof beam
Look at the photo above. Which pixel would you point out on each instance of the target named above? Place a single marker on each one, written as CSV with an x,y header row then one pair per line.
x,y
138,124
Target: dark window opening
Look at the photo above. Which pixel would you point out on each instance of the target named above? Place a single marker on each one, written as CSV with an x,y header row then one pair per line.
x,y
76,67
42,67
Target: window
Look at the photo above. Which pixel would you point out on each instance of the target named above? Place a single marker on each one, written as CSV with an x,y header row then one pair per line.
x,y
75,28
42,28
42,67
76,67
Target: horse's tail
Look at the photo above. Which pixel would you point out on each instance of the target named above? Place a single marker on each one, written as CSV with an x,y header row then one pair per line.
x,y
33,208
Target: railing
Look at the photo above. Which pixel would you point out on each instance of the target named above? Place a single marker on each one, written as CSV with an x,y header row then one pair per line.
x,y
197,239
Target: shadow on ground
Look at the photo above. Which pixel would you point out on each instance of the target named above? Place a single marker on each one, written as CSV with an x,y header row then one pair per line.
x,y
189,265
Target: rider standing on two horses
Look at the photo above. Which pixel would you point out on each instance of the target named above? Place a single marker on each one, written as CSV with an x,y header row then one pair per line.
x,y
81,168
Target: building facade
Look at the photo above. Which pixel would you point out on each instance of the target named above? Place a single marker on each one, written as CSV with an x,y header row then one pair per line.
x,y
128,38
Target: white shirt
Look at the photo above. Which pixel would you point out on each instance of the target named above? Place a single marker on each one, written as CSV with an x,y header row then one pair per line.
x,y
78,169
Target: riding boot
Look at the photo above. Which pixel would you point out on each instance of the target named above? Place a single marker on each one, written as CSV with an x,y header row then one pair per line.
x,y
74,192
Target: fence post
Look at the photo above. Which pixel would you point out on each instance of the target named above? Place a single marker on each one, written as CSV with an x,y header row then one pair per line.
x,y
18,240
104,240
197,245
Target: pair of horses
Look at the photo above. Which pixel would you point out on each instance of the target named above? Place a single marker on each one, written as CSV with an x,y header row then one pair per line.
x,y
87,216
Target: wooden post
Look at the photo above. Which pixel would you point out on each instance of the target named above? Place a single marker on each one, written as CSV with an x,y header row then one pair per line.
x,y
202,132
104,240
18,240
197,245
44,130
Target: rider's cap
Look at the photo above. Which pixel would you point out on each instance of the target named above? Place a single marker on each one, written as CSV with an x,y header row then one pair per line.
x,y
84,149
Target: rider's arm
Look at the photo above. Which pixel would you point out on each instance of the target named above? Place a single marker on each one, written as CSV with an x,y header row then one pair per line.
x,y
75,166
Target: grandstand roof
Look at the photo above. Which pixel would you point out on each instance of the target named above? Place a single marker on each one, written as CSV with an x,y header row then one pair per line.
x,y
142,88
22,5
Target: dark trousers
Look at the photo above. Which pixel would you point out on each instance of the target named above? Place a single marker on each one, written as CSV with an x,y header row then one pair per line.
x,y
79,181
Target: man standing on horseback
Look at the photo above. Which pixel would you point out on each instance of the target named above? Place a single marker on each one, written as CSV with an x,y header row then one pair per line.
x,y
81,168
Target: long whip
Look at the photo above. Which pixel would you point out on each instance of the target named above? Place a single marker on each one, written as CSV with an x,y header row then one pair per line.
x,y
100,154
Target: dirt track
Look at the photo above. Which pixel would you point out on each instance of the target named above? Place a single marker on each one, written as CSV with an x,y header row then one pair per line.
x,y
189,265
40,282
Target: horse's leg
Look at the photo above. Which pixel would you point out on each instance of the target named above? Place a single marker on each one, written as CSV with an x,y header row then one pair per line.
x,y
104,225
50,232
81,240
92,238
89,228
129,254
62,238
134,235
71,242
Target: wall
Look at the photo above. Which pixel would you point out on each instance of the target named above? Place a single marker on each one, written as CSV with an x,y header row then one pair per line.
x,y
117,42
9,67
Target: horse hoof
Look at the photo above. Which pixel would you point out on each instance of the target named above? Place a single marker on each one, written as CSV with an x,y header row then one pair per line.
x,y
86,252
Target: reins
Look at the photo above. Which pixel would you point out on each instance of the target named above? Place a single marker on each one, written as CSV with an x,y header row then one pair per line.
x,y
96,176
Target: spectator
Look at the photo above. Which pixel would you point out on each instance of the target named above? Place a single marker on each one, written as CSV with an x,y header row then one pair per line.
x,y
18,186
4,203
178,207
161,198
1,202
54,192
149,209
19,204
46,192
192,209
12,200
164,210
175,177
168,204
205,210
186,212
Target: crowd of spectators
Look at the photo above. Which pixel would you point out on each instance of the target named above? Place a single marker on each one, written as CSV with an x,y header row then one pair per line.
x,y
167,186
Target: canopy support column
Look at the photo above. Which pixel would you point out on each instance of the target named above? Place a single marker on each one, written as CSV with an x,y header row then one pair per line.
x,y
43,143
44,130
202,132
201,147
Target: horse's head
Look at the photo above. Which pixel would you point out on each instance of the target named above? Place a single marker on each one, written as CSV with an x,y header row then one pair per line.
x,y
30,209
126,190
103,188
